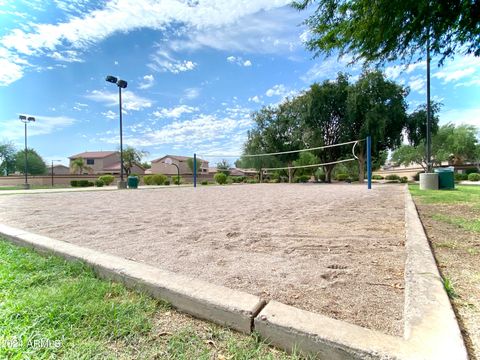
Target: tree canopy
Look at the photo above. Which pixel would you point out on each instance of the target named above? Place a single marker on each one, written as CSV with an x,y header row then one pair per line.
x,y
190,165
79,165
455,144
384,30
7,158
131,157
35,163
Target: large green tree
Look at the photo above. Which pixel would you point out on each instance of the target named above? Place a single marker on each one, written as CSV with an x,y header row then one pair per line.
x,y
324,119
376,107
416,128
131,157
35,163
276,129
455,144
190,165
7,158
385,30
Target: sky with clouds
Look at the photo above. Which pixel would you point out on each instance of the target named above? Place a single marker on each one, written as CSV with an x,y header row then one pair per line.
x,y
196,69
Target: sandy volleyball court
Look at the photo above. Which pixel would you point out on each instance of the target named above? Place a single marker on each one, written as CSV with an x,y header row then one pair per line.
x,y
333,249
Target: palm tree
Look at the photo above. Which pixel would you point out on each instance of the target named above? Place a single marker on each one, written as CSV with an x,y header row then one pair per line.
x,y
79,165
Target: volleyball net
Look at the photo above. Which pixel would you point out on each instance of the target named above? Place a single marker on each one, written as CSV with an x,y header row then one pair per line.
x,y
354,143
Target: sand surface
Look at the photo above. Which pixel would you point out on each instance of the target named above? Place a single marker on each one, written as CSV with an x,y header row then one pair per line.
x,y
333,249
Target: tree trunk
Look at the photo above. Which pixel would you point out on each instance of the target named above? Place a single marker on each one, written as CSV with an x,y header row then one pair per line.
x,y
328,173
289,172
361,168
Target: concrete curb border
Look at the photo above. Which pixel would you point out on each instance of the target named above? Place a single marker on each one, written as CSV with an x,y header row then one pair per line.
x,y
218,304
431,330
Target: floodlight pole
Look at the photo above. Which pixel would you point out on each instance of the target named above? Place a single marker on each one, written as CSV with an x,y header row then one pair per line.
x,y
26,158
121,134
25,120
121,84
429,115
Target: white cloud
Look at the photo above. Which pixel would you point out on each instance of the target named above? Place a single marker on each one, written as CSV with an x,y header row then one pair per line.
x,y
417,83
9,72
280,90
130,101
148,81
43,125
470,116
175,112
328,69
198,132
191,93
66,56
239,61
394,71
459,68
262,25
255,99
162,61
110,114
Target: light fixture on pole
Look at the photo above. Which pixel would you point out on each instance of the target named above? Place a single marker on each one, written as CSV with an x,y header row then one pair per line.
x,y
52,170
26,119
122,84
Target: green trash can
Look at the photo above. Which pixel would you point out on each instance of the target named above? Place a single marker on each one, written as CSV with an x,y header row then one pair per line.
x,y
132,182
446,178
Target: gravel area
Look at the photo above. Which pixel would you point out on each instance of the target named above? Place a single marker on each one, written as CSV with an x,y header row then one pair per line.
x,y
334,249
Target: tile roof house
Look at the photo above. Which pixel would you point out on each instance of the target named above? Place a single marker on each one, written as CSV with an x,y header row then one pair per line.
x,y
160,167
103,162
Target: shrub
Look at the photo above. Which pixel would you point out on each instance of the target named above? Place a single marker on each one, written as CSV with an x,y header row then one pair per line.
x,y
177,180
167,182
392,177
460,177
274,181
353,178
99,183
107,179
302,179
229,180
416,177
158,179
404,180
473,177
155,179
90,183
377,177
471,171
220,178
204,182
238,179
83,183
74,183
252,181
341,177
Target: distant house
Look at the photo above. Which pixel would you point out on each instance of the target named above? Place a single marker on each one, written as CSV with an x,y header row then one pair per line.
x,y
59,170
103,162
159,166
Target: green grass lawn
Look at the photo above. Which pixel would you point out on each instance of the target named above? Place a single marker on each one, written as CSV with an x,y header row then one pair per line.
x,y
465,194
50,308
34,187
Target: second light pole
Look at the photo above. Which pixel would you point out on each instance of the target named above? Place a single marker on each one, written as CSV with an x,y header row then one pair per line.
x,y
122,84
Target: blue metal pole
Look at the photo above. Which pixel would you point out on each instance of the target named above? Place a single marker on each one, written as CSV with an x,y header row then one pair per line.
x,y
194,170
369,161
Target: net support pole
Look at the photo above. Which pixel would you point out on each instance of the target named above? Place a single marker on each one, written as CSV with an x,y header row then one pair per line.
x,y
369,162
194,170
